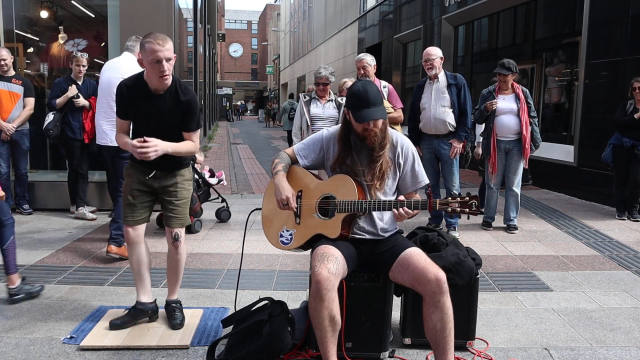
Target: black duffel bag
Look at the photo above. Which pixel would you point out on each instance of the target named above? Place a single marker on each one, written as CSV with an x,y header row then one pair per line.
x,y
262,332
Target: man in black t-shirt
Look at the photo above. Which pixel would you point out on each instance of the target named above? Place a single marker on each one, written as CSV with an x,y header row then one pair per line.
x,y
16,106
161,114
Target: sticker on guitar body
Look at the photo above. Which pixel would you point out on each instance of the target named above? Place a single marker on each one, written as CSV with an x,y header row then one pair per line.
x,y
286,236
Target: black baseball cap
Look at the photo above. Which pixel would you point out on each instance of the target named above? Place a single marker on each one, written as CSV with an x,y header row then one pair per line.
x,y
364,101
506,67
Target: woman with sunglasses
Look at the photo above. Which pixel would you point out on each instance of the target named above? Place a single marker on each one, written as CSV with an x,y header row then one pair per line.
x,y
70,94
319,109
626,155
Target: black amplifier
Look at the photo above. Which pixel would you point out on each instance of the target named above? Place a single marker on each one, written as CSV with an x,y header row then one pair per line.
x,y
367,331
465,314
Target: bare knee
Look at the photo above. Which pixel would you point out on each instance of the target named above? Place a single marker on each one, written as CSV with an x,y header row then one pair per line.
x,y
433,284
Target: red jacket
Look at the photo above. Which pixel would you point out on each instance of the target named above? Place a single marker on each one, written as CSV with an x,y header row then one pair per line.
x,y
89,121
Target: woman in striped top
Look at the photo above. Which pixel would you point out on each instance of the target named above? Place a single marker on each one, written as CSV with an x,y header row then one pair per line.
x,y
319,109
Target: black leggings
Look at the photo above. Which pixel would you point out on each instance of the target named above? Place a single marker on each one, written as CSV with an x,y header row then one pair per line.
x,y
626,170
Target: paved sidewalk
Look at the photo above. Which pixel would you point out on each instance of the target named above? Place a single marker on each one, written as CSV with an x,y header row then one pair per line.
x,y
567,286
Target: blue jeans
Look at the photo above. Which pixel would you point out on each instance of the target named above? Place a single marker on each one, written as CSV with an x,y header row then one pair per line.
x,y
115,160
509,153
436,161
15,151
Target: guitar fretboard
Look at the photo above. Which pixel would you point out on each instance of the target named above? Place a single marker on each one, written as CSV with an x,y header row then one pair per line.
x,y
365,206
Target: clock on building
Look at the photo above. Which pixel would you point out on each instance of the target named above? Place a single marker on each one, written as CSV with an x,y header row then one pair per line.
x,y
235,50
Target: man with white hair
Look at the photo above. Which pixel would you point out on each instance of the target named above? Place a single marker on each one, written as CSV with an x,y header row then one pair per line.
x,y
115,159
439,124
366,69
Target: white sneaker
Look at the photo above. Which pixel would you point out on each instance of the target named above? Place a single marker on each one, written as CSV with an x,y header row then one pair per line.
x,y
92,209
83,213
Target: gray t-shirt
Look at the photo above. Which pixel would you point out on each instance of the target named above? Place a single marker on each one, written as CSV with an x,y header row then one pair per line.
x,y
407,175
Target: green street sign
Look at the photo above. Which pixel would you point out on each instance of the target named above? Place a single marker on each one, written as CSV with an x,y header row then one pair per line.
x,y
269,70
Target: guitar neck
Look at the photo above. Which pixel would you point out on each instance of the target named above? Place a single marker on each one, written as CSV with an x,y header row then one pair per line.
x,y
366,206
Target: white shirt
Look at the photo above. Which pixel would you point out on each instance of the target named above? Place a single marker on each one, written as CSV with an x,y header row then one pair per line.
x,y
507,122
113,71
436,113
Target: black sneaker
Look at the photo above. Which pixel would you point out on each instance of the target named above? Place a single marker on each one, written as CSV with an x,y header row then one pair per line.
x,y
175,314
24,209
512,228
620,215
23,292
487,225
434,226
634,216
134,315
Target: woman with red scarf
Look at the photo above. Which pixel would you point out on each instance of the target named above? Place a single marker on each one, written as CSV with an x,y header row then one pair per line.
x,y
510,135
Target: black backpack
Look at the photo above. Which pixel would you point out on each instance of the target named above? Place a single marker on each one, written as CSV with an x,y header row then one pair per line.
x,y
262,332
292,112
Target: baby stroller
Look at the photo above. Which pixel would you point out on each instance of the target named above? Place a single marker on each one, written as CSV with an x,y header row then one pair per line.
x,y
201,194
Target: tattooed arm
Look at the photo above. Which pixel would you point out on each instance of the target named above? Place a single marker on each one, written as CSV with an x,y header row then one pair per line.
x,y
285,196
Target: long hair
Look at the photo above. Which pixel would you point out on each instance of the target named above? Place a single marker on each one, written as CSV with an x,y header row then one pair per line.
x,y
374,173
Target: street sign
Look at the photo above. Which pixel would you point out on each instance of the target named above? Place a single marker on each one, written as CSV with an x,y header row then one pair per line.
x,y
225,91
269,70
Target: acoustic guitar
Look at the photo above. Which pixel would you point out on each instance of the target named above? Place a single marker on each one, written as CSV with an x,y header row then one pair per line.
x,y
329,207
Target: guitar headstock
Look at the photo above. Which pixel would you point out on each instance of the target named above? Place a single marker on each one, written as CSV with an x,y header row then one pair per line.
x,y
460,205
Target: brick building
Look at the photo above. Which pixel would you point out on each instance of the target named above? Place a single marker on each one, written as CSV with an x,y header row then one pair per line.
x,y
238,56
269,49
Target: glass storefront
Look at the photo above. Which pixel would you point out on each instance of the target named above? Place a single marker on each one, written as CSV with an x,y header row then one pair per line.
x,y
42,46
544,38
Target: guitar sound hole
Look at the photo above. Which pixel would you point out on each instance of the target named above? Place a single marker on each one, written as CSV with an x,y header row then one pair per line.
x,y
326,207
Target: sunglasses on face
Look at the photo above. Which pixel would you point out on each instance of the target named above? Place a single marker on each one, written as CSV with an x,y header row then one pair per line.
x,y
83,55
635,88
321,84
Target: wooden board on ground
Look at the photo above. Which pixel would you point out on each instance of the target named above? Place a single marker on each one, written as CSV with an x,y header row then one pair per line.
x,y
155,335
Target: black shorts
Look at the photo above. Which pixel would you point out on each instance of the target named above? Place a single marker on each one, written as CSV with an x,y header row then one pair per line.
x,y
375,255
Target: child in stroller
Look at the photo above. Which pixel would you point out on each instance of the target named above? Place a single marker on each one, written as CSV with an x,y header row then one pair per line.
x,y
204,180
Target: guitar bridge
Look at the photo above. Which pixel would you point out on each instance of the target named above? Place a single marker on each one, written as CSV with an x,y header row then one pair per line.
x,y
296,213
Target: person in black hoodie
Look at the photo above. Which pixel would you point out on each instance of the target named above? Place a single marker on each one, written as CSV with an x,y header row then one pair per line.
x,y
626,155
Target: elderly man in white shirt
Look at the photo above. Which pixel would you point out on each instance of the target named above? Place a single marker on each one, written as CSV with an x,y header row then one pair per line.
x,y
439,124
115,159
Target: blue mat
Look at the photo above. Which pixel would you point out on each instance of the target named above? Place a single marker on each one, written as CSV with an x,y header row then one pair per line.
x,y
209,328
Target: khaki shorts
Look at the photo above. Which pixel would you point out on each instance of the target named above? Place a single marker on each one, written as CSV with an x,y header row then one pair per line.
x,y
141,192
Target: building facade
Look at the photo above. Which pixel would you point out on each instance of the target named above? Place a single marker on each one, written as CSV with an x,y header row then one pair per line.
x,y
238,57
575,57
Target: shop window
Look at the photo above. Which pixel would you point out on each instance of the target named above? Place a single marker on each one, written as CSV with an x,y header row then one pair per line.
x,y
254,59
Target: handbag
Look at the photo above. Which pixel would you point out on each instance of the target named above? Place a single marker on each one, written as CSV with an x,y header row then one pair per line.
x,y
262,332
53,124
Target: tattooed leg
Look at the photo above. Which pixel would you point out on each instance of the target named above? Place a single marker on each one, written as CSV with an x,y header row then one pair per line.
x,y
176,239
176,259
328,267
